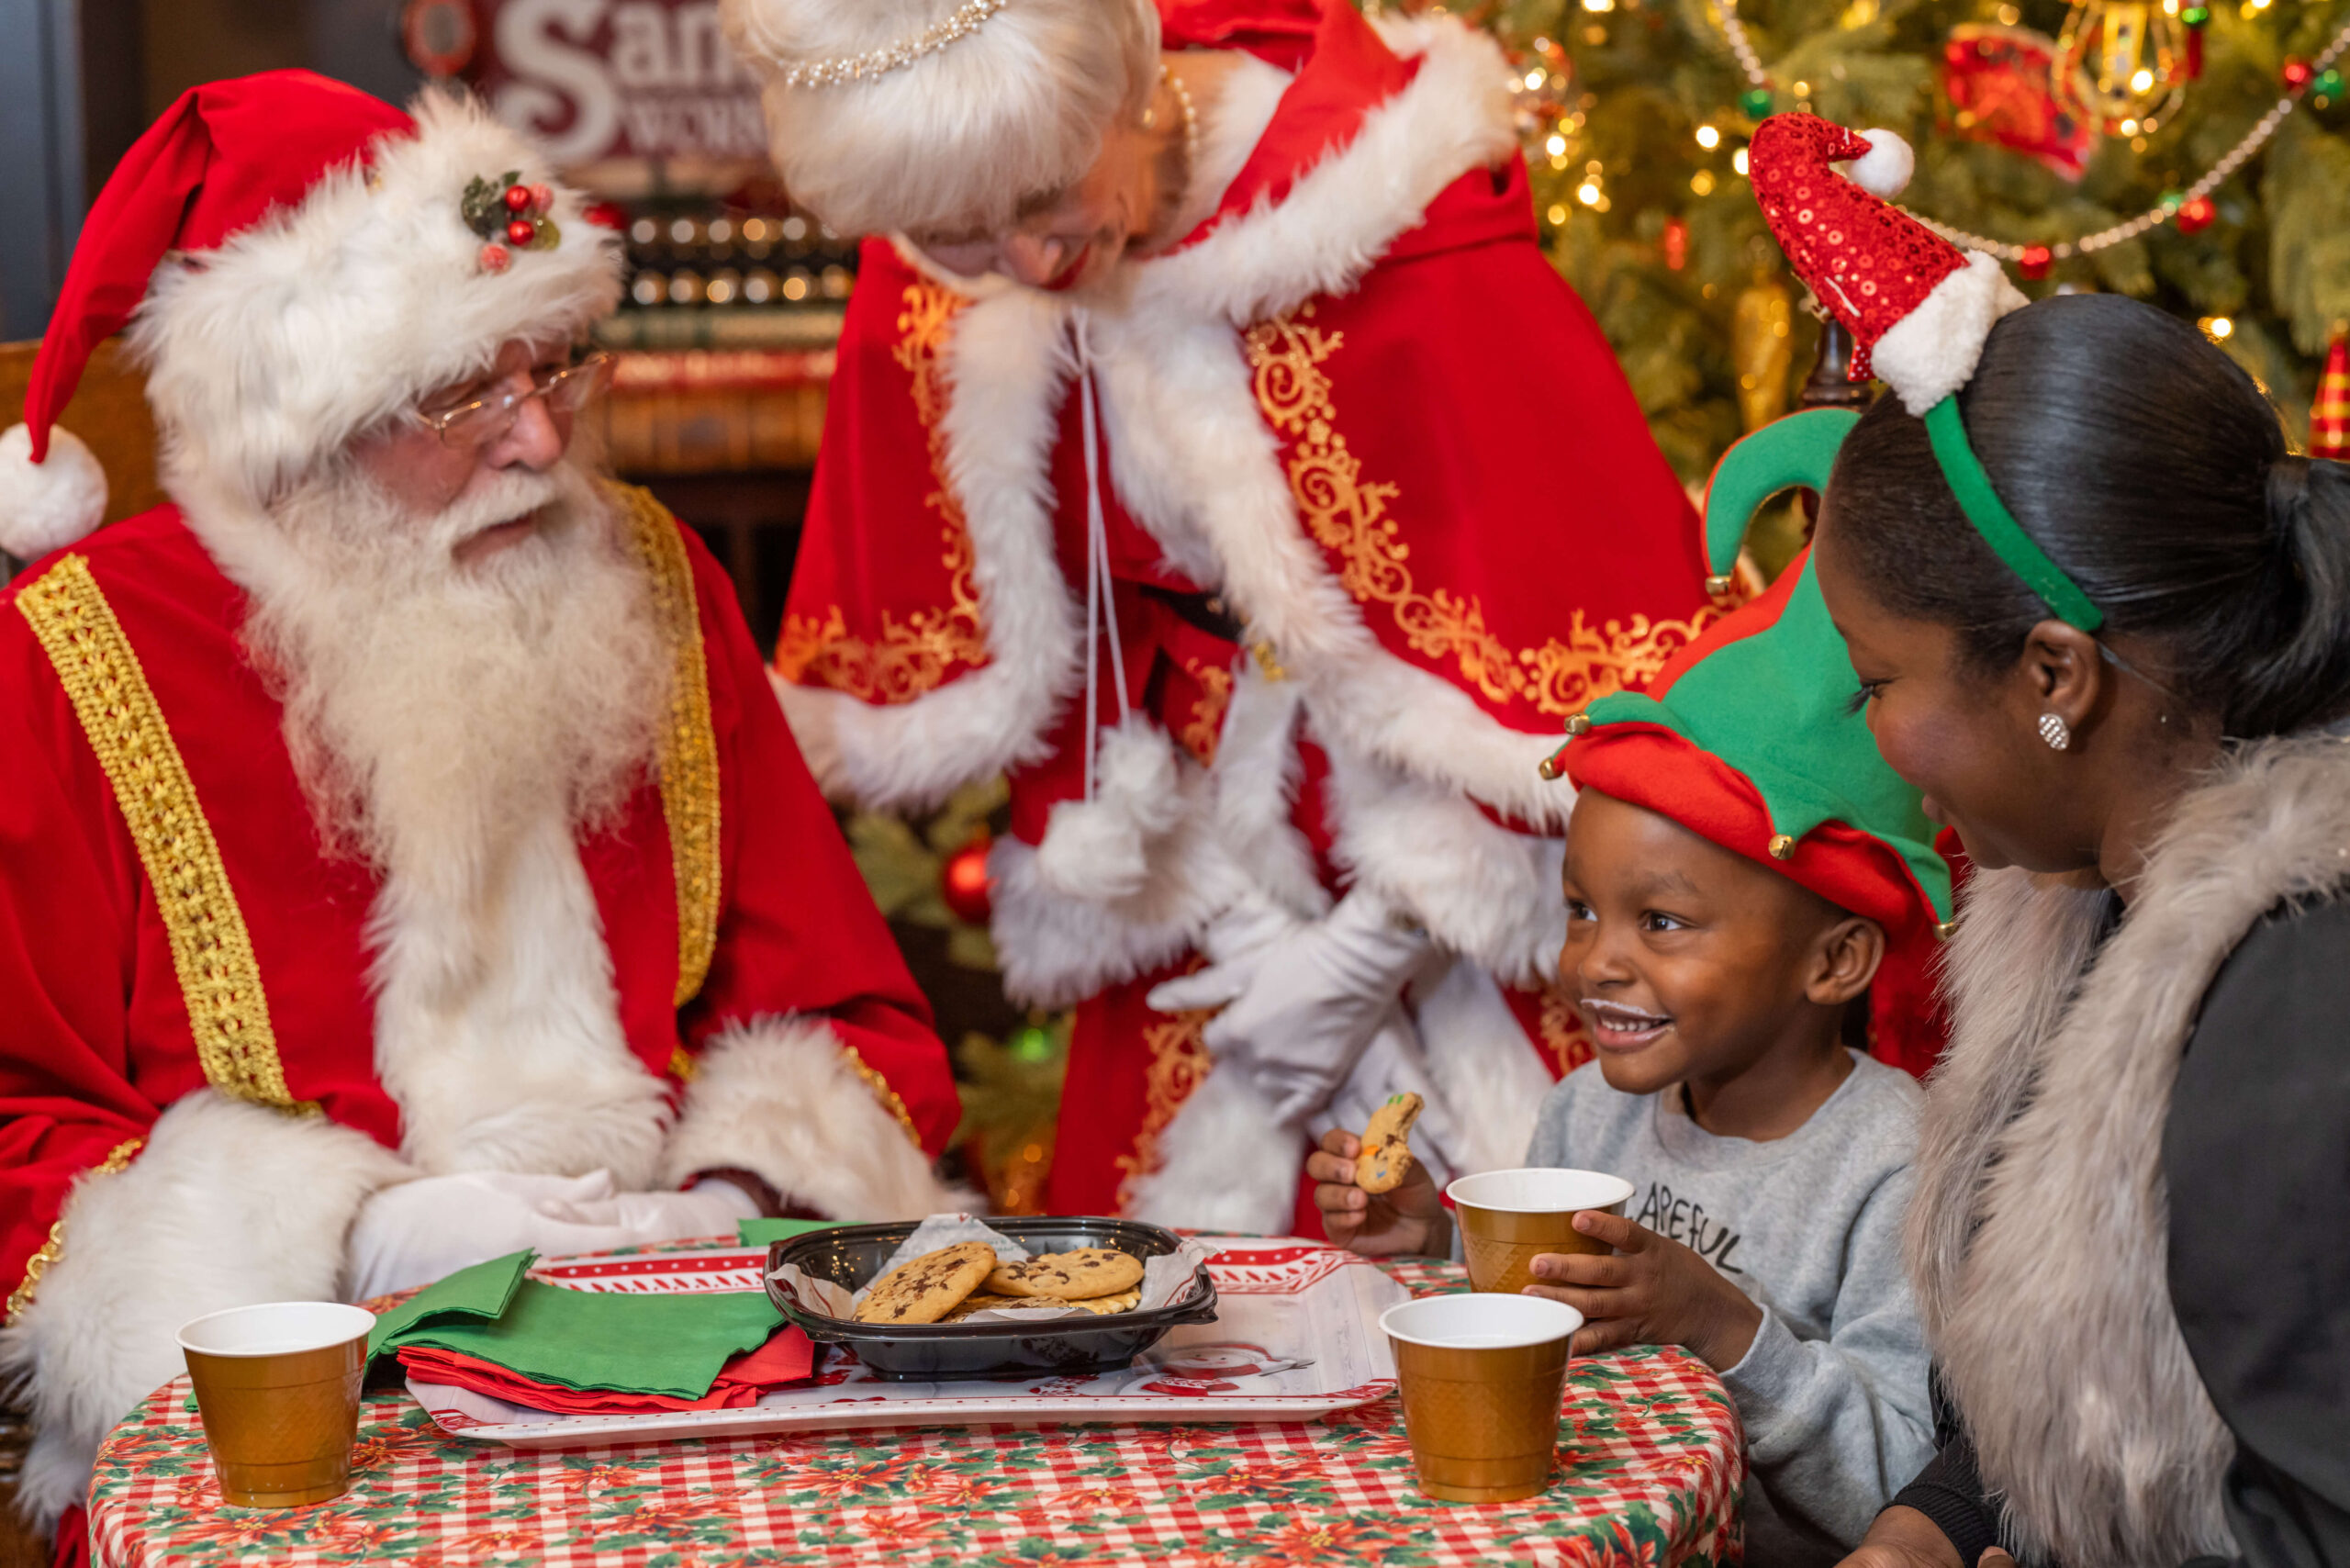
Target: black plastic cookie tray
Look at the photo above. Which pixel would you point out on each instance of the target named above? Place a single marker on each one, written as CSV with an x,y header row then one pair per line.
x,y
852,1255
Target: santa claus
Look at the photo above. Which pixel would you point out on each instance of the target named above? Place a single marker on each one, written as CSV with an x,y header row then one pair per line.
x,y
1213,450
406,861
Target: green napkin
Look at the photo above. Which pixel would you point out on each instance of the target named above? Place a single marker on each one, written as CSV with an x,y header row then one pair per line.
x,y
760,1232
674,1345
480,1291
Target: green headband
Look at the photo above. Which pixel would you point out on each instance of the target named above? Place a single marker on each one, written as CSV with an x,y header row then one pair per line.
x,y
1981,503
1800,449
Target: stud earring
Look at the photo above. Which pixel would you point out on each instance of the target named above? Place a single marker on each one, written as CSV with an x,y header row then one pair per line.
x,y
2056,732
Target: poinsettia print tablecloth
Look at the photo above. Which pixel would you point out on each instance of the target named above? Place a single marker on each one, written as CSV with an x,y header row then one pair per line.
x,y
1650,1471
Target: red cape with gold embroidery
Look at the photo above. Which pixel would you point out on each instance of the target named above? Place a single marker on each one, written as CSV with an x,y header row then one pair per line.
x,y
101,1039
1355,424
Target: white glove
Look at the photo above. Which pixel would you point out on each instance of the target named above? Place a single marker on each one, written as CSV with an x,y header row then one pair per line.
x,y
1302,1004
1395,1063
1235,945
709,1209
419,1231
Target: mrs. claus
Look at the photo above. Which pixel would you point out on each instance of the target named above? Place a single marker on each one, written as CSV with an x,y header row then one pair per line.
x,y
1213,452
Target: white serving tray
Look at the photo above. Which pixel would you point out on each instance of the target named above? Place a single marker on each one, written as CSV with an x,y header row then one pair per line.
x,y
1296,1337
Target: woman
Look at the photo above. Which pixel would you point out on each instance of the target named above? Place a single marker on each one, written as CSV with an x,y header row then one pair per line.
x,y
2101,617
1215,452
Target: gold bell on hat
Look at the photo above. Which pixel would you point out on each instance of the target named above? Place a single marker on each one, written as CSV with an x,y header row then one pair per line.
x,y
1782,846
1579,725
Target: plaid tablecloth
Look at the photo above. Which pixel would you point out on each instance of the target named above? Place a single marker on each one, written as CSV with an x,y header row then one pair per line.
x,y
1650,1473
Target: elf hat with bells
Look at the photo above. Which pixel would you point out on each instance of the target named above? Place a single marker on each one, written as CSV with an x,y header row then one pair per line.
x,y
296,262
1748,738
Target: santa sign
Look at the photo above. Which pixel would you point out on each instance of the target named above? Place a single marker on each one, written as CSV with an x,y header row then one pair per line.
x,y
597,79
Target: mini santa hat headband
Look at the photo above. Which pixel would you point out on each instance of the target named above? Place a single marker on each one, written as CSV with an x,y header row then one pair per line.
x,y
295,260
1921,307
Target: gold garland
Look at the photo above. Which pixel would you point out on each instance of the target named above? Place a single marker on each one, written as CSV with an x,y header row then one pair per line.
x,y
915,655
212,950
42,1261
689,774
1349,515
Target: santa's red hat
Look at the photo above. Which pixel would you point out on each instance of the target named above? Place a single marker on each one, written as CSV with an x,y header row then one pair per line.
x,y
295,262
1919,306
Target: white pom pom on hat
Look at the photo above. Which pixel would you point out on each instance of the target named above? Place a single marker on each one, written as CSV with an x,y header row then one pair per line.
x,y
1885,170
47,505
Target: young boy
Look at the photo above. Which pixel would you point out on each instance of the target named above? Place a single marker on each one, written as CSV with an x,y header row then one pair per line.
x,y
1742,872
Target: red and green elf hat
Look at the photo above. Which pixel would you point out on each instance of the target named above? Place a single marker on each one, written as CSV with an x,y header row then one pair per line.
x,y
1750,738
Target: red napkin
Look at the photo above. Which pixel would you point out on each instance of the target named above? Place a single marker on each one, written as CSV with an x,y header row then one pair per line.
x,y
787,1357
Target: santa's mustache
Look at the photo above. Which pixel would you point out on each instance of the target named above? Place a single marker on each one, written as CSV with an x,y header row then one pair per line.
x,y
504,498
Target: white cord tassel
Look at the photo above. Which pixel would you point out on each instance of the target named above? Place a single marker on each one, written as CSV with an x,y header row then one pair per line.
x,y
1100,597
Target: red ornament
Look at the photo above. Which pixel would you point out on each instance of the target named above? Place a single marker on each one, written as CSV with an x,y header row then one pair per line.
x,y
517,199
964,884
2006,86
495,257
2297,74
1676,244
542,197
2194,217
607,215
2035,262
519,233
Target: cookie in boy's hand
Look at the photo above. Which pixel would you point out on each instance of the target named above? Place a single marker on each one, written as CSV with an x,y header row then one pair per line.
x,y
1076,1275
1386,1159
929,1287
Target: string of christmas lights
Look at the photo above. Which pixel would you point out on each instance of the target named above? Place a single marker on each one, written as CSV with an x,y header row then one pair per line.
x,y
2192,206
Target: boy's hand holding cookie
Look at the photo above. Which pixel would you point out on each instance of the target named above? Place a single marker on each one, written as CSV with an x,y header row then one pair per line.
x,y
1409,1218
1653,1292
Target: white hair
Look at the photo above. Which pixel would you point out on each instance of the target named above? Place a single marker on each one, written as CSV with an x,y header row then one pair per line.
x,y
956,142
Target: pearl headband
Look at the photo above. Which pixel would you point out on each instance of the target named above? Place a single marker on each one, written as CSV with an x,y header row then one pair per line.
x,y
895,56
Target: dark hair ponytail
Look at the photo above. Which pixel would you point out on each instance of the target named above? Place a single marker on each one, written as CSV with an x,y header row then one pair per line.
x,y
2153,471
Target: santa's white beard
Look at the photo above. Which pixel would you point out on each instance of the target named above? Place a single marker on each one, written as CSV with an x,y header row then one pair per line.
x,y
434,709
461,727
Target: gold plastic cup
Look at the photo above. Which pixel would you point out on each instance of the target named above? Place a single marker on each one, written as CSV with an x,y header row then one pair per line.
x,y
1508,1218
277,1387
1483,1377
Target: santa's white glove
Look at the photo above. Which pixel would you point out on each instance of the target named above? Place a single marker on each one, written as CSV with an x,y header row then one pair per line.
x,y
1394,1062
1302,1005
710,1209
419,1231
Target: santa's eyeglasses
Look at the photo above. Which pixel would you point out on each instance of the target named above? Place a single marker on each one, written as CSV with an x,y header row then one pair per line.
x,y
485,419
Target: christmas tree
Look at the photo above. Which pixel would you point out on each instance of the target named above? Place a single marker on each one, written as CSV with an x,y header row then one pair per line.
x,y
2135,148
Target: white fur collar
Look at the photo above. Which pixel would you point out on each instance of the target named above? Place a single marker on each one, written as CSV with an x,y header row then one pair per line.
x,y
1339,218
2039,1235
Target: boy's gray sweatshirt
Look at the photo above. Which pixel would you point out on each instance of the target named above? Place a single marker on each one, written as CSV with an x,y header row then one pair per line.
x,y
1832,1391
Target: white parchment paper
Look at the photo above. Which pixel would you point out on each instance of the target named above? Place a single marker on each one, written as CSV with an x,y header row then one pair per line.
x,y
1166,1279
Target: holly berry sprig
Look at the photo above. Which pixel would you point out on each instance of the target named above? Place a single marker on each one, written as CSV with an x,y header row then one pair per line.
x,y
510,215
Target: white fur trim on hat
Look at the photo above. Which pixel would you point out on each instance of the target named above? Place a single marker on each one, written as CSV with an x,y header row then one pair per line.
x,y
1885,170
47,505
299,333
1930,352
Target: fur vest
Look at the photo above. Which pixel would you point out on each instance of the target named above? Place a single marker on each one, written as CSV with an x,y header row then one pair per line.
x,y
2040,1233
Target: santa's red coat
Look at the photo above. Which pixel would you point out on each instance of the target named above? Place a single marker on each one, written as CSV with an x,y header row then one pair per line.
x,y
97,1041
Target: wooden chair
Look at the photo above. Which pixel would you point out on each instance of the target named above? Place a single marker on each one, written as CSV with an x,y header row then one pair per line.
x,y
109,413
